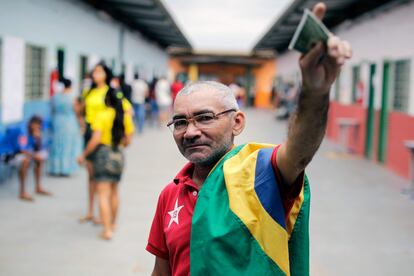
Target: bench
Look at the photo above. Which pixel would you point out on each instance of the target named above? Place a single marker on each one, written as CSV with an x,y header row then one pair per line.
x,y
11,142
410,146
345,125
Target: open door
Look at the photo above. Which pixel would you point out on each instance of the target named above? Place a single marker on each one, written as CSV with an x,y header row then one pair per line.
x,y
383,121
61,63
250,83
370,113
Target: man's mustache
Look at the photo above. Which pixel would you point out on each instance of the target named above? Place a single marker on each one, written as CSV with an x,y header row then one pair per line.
x,y
192,143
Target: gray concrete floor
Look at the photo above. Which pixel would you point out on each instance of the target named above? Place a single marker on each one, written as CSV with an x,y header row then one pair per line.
x,y
361,223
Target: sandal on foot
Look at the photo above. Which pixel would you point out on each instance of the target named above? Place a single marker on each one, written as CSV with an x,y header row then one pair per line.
x,y
96,221
85,219
26,197
106,236
43,192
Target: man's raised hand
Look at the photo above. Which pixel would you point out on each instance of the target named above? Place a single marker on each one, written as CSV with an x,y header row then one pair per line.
x,y
321,65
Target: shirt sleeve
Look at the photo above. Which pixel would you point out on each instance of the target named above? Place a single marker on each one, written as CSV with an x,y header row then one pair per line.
x,y
84,94
288,193
98,123
129,124
156,241
126,105
26,143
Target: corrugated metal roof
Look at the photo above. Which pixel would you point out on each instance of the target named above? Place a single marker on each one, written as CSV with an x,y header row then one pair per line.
x,y
223,59
149,17
338,11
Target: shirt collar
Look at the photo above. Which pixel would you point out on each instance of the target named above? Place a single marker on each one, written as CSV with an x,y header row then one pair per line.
x,y
184,176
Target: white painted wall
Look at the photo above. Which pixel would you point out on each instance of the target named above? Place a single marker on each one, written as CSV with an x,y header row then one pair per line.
x,y
287,65
79,30
375,37
145,54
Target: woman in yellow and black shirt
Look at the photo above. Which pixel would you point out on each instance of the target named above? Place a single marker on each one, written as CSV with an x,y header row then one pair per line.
x,y
94,103
112,130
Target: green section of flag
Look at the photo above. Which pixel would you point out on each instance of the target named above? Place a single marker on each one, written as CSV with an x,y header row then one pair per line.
x,y
220,243
299,239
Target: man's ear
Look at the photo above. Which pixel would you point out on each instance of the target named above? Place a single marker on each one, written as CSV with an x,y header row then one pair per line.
x,y
239,121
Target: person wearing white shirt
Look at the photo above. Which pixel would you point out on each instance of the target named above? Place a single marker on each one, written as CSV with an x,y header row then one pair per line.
x,y
139,93
164,99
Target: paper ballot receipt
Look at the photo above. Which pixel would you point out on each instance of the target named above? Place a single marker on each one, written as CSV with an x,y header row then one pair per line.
x,y
309,32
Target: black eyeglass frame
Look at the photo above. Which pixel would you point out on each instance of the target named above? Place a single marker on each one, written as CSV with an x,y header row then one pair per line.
x,y
190,119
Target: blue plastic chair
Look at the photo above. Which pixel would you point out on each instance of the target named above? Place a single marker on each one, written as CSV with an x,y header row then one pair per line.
x,y
4,151
12,136
47,131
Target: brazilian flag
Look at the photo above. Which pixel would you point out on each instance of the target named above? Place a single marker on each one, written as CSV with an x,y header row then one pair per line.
x,y
239,225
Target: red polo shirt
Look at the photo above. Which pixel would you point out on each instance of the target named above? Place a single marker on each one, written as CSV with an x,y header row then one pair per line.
x,y
171,228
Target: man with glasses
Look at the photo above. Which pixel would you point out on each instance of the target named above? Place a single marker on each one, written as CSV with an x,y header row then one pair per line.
x,y
252,211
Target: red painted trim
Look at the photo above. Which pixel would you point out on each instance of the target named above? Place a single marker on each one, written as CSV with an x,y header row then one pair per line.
x,y
400,129
356,138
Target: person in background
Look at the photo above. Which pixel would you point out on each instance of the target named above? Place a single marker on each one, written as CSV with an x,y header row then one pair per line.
x,y
115,83
360,92
33,151
86,83
66,142
164,100
139,92
291,98
176,87
235,89
111,131
239,93
153,110
287,96
274,99
241,96
125,87
93,102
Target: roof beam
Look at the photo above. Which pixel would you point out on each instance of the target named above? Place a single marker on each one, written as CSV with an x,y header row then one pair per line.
x,y
133,14
127,4
149,17
150,22
140,11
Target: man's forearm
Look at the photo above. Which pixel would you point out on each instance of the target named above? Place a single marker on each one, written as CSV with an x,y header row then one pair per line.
x,y
319,67
306,129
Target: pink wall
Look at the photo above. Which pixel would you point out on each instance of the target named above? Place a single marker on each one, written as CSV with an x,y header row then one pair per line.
x,y
356,112
400,128
375,139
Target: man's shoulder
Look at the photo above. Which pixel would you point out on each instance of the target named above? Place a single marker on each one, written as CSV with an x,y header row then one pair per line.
x,y
168,195
169,190
175,186
253,148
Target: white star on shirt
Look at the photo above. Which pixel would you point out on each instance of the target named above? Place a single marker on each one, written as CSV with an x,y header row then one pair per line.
x,y
174,213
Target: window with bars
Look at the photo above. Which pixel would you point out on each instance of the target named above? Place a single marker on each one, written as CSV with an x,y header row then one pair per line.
x,y
401,85
337,88
83,70
35,72
356,77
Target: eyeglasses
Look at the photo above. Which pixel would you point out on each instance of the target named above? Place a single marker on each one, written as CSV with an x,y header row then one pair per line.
x,y
200,121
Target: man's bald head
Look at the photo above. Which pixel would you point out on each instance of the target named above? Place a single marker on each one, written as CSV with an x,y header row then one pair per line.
x,y
223,93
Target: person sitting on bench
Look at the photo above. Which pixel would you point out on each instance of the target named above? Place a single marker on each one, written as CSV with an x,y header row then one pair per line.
x,y
32,151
